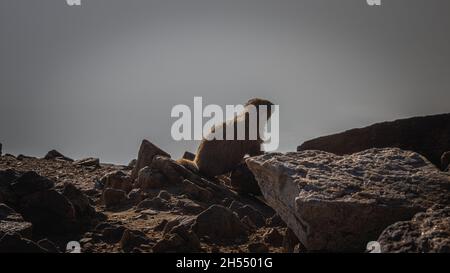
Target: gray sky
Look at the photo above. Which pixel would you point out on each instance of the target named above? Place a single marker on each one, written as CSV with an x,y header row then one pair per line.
x,y
95,80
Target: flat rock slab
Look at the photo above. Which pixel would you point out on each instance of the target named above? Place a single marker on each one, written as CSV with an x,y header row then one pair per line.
x,y
339,203
427,232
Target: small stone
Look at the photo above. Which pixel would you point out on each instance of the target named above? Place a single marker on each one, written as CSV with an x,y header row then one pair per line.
x,y
155,203
55,155
88,162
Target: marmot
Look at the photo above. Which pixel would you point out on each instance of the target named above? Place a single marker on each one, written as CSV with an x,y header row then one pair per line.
x,y
216,157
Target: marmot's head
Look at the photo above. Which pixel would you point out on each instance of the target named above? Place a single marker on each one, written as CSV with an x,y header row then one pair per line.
x,y
257,102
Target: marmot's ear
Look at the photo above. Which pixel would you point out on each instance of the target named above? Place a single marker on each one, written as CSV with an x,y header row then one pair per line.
x,y
258,101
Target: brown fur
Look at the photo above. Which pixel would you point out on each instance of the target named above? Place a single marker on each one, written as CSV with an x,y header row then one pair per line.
x,y
215,157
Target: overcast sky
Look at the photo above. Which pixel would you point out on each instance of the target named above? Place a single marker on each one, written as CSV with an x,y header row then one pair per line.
x,y
97,79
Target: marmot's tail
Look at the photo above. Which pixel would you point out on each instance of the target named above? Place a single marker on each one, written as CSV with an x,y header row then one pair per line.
x,y
188,164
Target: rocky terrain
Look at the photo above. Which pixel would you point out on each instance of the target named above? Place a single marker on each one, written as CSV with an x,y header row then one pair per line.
x,y
337,193
47,202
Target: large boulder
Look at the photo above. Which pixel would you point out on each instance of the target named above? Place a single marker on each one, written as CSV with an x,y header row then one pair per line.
x,y
429,136
49,211
427,232
339,203
145,156
30,182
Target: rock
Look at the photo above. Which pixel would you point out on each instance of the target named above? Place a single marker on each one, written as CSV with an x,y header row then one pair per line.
x,y
85,213
258,248
164,195
339,203
14,243
249,211
191,241
30,182
273,237
149,212
135,196
161,225
6,194
154,203
249,223
172,223
132,238
49,246
145,156
429,136
55,155
113,197
189,156
189,207
117,180
150,179
427,232
11,221
219,224
49,212
196,192
88,162
131,164
0,149
290,240
243,181
172,243
174,172
113,233
178,236
445,161
22,157
275,221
